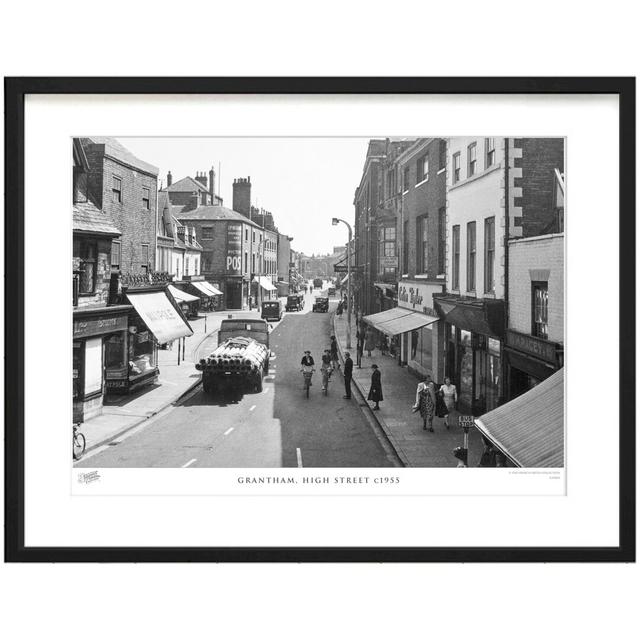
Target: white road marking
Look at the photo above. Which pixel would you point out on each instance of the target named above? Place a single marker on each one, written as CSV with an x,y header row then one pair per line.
x,y
186,464
228,431
299,456
252,408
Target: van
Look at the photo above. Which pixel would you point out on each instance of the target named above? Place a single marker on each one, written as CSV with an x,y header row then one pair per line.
x,y
271,310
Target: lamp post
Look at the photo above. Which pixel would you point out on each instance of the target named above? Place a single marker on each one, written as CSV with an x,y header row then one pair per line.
x,y
334,222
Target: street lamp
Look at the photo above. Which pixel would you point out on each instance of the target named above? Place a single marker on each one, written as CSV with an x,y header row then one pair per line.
x,y
334,222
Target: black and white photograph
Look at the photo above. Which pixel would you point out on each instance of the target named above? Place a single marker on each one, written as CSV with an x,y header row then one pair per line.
x,y
318,302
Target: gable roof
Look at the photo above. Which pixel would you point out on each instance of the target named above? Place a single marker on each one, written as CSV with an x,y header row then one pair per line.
x,y
187,184
215,213
117,151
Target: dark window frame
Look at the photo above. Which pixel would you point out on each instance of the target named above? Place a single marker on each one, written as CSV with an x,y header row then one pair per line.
x,y
489,152
540,327
455,168
472,164
144,248
116,193
88,258
489,254
442,239
421,175
146,202
455,247
114,264
442,155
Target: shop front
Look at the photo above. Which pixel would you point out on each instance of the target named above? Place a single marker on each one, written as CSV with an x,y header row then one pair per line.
x,y
132,356
209,294
529,360
189,305
262,289
93,331
385,296
474,333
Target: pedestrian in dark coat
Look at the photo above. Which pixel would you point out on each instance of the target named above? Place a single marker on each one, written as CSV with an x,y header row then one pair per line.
x,y
348,374
375,393
333,350
369,342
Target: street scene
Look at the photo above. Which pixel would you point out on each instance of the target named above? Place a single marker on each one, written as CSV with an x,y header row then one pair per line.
x,y
408,312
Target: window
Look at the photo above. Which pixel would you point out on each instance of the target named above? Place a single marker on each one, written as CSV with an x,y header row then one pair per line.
x,y
116,189
455,272
253,236
207,233
88,263
391,182
423,169
145,198
456,167
116,252
540,309
489,254
405,178
472,160
386,249
442,239
246,236
442,155
490,152
405,248
471,256
145,258
246,262
253,262
186,267
423,251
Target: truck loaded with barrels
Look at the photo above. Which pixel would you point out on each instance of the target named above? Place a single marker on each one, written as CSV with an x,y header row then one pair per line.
x,y
241,359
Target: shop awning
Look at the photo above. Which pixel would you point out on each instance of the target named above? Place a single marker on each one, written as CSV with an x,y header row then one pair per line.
x,y
483,315
265,283
530,428
407,323
201,286
181,296
214,290
378,319
160,315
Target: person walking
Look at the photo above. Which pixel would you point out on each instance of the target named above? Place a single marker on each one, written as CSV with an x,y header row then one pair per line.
x,y
348,374
375,392
426,402
326,369
450,397
333,349
369,342
339,309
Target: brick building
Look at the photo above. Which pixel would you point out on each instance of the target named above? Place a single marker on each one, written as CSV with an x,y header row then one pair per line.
x,y
190,193
125,188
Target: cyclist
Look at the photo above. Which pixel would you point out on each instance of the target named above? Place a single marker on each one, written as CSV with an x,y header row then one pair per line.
x,y
307,365
326,369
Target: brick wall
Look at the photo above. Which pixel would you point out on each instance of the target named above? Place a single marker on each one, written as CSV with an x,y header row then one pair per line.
x,y
425,199
540,157
532,259
136,224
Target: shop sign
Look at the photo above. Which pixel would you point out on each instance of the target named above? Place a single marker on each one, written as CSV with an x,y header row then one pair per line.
x,y
417,296
98,326
531,345
117,384
234,249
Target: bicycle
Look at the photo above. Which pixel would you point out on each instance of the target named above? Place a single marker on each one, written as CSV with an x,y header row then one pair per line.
x,y
326,376
307,379
79,442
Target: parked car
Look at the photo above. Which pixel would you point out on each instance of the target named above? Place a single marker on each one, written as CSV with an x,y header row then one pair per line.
x,y
321,304
271,310
332,291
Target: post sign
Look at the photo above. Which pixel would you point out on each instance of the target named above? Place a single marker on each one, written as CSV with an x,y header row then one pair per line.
x,y
233,264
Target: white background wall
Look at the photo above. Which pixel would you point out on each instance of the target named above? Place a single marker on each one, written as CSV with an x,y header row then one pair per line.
x,y
439,601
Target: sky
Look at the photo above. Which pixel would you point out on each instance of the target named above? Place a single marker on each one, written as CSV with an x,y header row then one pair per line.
x,y
304,182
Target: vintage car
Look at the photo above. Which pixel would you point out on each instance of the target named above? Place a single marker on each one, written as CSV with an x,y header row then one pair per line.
x,y
271,310
295,302
332,291
321,304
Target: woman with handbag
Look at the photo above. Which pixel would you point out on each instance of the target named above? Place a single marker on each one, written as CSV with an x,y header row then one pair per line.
x,y
450,397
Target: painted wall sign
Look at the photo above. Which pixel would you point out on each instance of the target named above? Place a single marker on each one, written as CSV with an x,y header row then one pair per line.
x,y
233,264
418,296
532,345
98,326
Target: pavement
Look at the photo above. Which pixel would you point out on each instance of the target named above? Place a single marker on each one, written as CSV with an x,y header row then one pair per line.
x,y
414,446
122,413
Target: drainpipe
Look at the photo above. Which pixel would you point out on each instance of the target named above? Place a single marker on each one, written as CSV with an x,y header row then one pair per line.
x,y
506,258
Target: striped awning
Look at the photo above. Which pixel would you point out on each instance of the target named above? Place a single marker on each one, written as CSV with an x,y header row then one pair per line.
x,y
529,430
181,296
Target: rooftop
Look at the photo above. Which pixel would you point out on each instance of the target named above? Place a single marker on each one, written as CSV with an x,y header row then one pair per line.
x,y
117,151
89,219
214,213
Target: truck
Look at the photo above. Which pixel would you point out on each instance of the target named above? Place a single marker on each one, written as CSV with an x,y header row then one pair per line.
x,y
241,358
317,283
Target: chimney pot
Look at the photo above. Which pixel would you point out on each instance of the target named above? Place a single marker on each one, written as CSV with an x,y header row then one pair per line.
x,y
169,177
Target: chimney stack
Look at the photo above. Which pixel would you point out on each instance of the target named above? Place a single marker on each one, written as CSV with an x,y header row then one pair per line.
x,y
202,179
169,178
212,182
242,196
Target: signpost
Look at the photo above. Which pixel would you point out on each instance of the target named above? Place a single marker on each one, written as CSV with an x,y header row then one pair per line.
x,y
462,453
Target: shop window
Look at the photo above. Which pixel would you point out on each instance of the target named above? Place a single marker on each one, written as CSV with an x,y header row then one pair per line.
x,y
489,152
471,256
78,371
422,348
115,354
455,242
116,252
471,160
88,266
540,309
489,254
145,198
116,189
142,352
92,366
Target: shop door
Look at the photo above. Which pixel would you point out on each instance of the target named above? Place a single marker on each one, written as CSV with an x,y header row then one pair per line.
x,y
465,369
234,295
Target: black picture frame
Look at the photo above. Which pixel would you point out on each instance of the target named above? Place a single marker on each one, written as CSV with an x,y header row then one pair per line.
x,y
15,91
